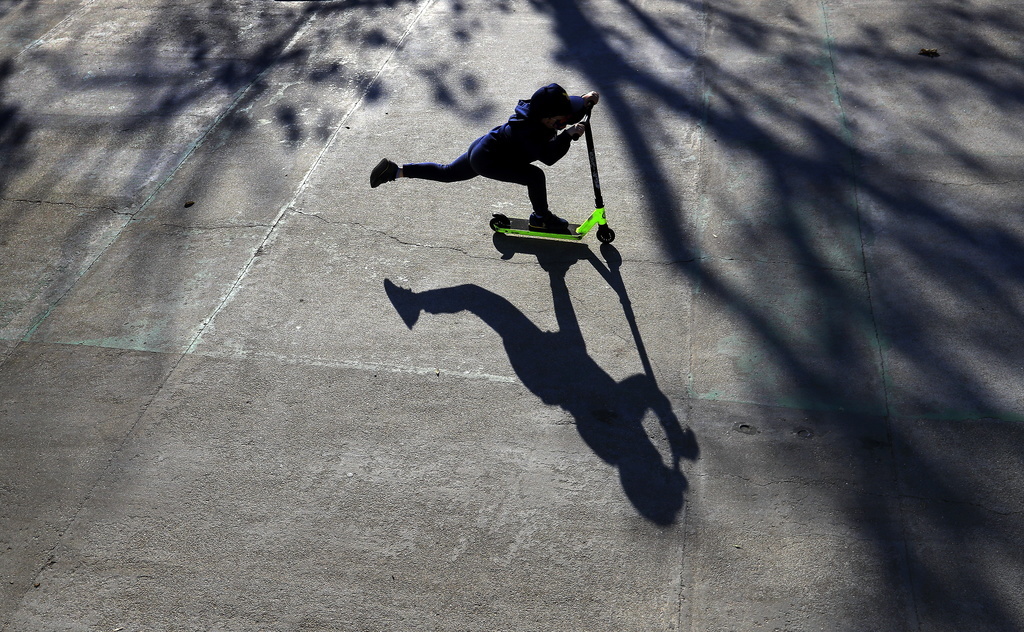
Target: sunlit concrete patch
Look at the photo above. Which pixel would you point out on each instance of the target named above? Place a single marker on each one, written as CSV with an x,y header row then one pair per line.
x,y
153,289
962,482
65,411
334,304
45,247
793,519
331,302
790,336
329,502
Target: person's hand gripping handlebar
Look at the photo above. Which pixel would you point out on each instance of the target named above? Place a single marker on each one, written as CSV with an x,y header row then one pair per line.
x,y
590,99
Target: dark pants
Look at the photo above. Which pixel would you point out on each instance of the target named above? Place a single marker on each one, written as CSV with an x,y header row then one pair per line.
x,y
479,161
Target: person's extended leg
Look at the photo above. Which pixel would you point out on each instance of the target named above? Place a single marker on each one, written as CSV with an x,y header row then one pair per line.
x,y
528,175
455,171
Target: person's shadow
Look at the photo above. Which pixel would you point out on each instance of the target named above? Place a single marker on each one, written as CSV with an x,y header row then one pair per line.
x,y
556,367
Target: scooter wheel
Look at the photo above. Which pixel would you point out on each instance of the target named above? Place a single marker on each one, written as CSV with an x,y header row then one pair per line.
x,y
499,221
605,235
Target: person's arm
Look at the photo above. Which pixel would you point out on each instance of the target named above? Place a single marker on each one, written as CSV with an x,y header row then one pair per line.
x,y
575,130
557,147
590,99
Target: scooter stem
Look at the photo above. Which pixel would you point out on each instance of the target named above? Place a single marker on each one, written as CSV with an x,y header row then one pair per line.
x,y
598,200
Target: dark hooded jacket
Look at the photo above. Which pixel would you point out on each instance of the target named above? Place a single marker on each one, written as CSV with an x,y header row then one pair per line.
x,y
524,138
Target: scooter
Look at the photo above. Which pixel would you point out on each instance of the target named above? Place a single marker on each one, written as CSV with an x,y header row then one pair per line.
x,y
574,232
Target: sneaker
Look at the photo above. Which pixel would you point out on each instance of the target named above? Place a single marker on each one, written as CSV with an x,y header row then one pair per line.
x,y
548,221
404,301
385,171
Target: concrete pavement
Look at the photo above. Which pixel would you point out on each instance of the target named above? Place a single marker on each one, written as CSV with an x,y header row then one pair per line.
x,y
239,390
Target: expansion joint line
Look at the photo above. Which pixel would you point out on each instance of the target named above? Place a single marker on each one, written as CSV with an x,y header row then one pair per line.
x,y
854,170
71,17
304,183
698,218
685,570
907,571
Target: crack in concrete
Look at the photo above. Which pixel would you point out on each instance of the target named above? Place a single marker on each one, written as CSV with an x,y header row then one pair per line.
x,y
316,215
69,204
384,233
780,262
212,226
965,503
430,246
359,365
965,184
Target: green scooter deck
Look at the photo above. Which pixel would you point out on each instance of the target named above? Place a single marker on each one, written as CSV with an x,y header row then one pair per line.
x,y
522,227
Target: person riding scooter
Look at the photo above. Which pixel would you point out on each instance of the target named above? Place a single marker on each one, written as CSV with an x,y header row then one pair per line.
x,y
507,152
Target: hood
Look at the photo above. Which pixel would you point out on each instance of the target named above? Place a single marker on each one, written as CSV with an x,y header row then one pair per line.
x,y
528,110
551,100
522,110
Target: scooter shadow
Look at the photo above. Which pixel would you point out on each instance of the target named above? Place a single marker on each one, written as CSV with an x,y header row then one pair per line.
x,y
557,368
